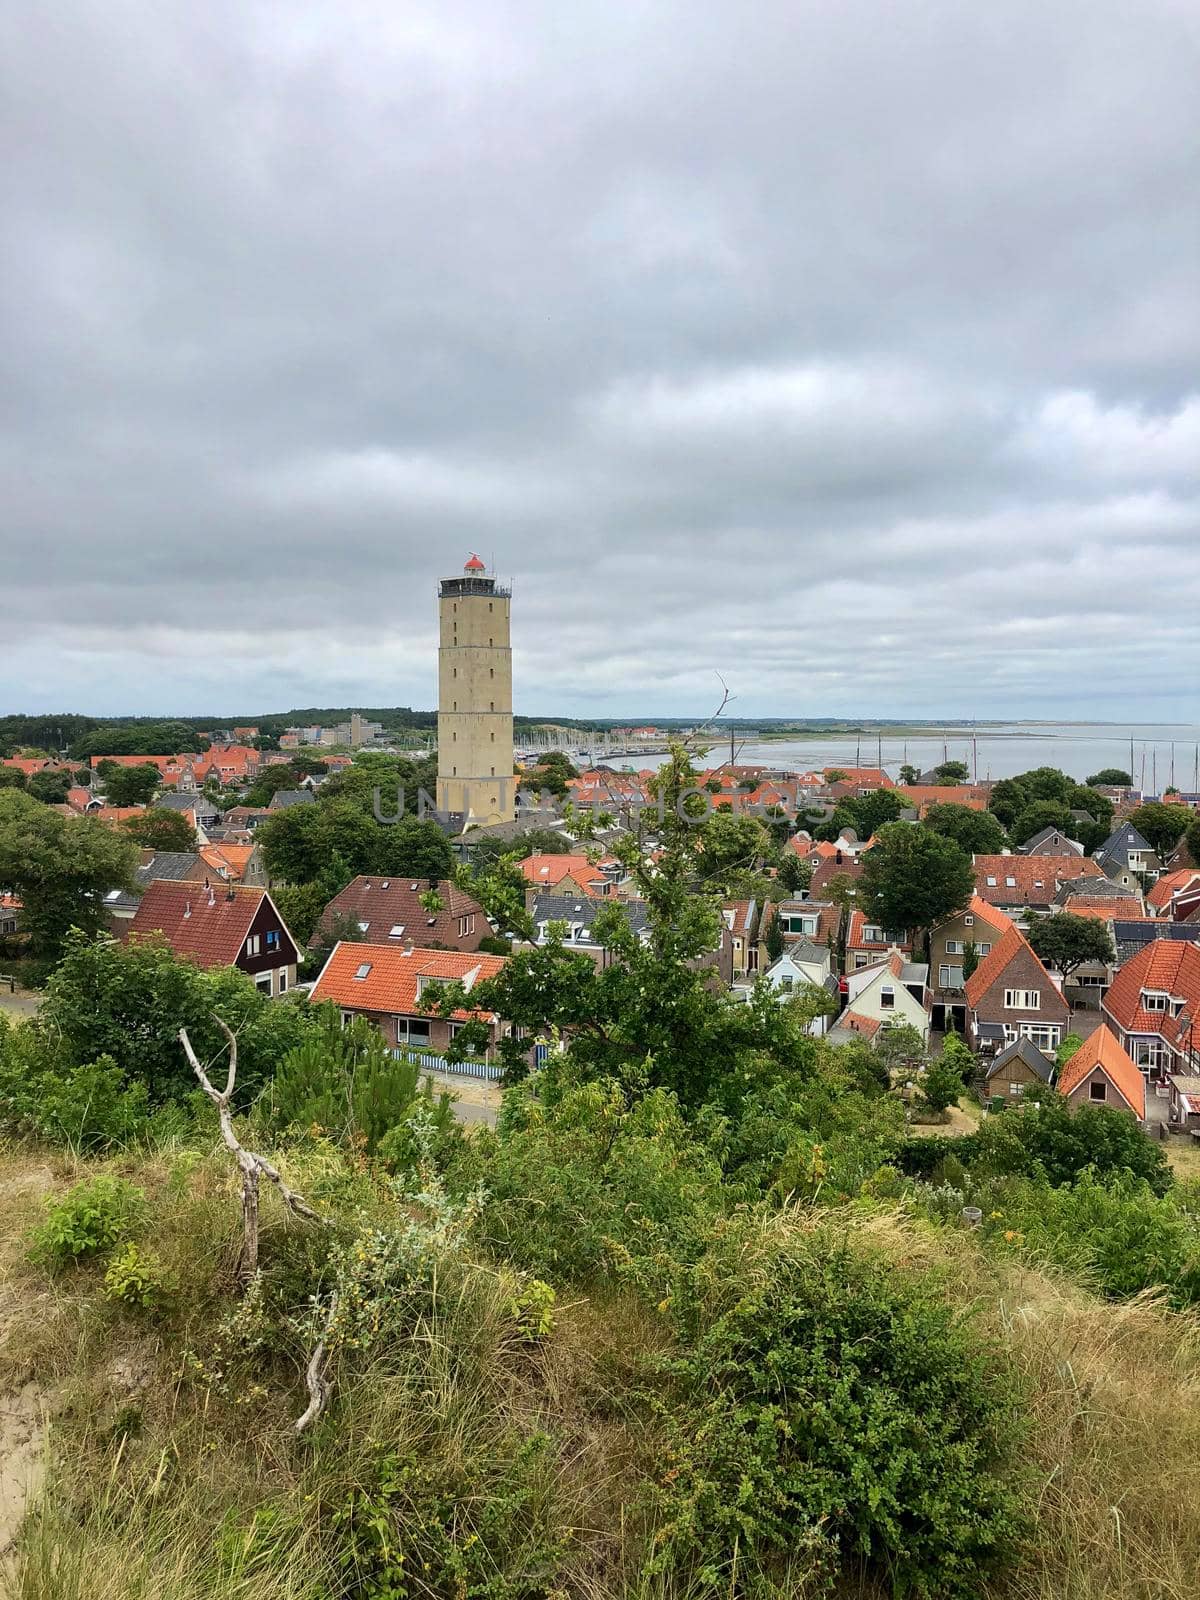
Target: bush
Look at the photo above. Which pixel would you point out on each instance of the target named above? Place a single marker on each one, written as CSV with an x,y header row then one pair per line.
x,y
136,1278
824,1402
87,1220
1050,1138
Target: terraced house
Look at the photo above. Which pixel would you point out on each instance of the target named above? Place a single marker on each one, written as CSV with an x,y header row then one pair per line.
x,y
1010,995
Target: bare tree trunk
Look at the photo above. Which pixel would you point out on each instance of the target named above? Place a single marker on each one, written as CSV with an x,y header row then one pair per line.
x,y
252,1167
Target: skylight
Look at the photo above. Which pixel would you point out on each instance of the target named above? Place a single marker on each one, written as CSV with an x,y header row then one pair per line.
x,y
363,970
396,931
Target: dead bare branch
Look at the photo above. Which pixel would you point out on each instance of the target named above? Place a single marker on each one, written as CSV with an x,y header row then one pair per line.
x,y
252,1166
318,1385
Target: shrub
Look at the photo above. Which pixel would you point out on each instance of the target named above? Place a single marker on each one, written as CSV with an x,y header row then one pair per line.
x,y
1050,1138
88,1219
824,1401
135,1278
941,1084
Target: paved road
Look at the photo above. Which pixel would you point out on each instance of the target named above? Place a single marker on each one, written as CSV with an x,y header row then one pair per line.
x,y
21,1004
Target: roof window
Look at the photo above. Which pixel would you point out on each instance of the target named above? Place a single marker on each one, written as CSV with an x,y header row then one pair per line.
x,y
363,970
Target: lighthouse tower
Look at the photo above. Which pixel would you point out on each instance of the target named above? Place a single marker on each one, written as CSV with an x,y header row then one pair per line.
x,y
475,725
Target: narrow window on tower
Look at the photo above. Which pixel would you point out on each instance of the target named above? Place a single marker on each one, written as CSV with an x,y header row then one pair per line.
x,y
491,672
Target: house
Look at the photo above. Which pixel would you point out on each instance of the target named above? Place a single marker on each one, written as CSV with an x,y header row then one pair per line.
x,y
229,862
920,796
804,965
867,943
1131,934
174,866
171,769
389,911
1100,893
1173,891
284,799
1100,1073
1018,1069
10,913
979,924
891,993
1125,850
747,922
1051,842
1010,995
222,926
566,874
577,914
817,920
1153,1005
862,780
203,814
1183,1103
827,868
389,986
1019,884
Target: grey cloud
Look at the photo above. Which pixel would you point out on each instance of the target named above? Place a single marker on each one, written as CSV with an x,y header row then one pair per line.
x,y
850,350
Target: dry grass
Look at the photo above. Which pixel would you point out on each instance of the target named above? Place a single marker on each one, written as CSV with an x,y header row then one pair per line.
x,y
155,1485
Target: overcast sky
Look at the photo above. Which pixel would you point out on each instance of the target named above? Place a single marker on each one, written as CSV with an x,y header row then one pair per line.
x,y
850,349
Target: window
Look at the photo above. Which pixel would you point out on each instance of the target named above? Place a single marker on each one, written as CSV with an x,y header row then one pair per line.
x,y
861,961
969,921
950,977
412,1030
991,883
1045,1035
887,999
263,983
396,931
872,934
1153,1000
1022,1000
282,985
363,971
1010,883
272,939
984,950
1097,1090
466,925
252,945
954,947
1014,1088
1151,1055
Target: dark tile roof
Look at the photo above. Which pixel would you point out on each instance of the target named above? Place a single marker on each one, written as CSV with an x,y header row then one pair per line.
x,y
283,798
582,909
388,910
1026,1051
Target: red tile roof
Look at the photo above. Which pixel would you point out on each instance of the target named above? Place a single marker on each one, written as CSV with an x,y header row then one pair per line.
x,y
857,1023
996,919
923,795
391,978
860,776
1104,907
1168,885
209,926
1103,1049
1036,879
1171,967
855,940
546,871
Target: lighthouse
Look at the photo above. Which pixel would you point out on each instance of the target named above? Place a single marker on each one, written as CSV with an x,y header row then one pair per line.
x,y
475,724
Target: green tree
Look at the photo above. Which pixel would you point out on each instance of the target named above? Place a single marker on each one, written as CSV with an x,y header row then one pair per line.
x,y
1111,777
1007,799
11,778
1193,842
794,874
913,878
957,1054
128,1001
1039,814
909,774
977,832
59,868
1068,942
1051,1138
1066,1049
952,772
299,842
732,844
941,1084
1162,826
160,828
50,788
130,786
534,841
774,941
970,958
865,813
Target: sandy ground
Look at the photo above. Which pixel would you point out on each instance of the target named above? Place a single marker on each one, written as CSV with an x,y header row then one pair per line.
x,y
22,1460
21,1004
475,1100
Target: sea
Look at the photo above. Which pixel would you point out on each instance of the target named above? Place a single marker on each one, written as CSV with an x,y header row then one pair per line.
x,y
1163,753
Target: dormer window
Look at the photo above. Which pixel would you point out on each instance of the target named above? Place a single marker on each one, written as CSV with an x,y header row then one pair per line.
x,y
1154,1000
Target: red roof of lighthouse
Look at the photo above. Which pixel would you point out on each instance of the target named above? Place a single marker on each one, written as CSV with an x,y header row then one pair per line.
x,y
474,565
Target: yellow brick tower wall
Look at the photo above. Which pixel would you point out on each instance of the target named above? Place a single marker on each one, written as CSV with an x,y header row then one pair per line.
x,y
475,724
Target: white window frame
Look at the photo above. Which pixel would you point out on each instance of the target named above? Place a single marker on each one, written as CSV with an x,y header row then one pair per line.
x,y
404,1027
1022,1000
253,944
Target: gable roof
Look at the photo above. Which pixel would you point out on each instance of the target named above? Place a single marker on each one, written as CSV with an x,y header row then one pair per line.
x,y
209,926
389,911
1164,890
1044,835
1027,880
1102,906
1171,967
855,1022
1120,842
547,871
855,940
1022,1049
584,909
1012,944
391,979
1103,1049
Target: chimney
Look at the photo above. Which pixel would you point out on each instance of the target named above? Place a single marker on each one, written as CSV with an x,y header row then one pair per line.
x,y
408,947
